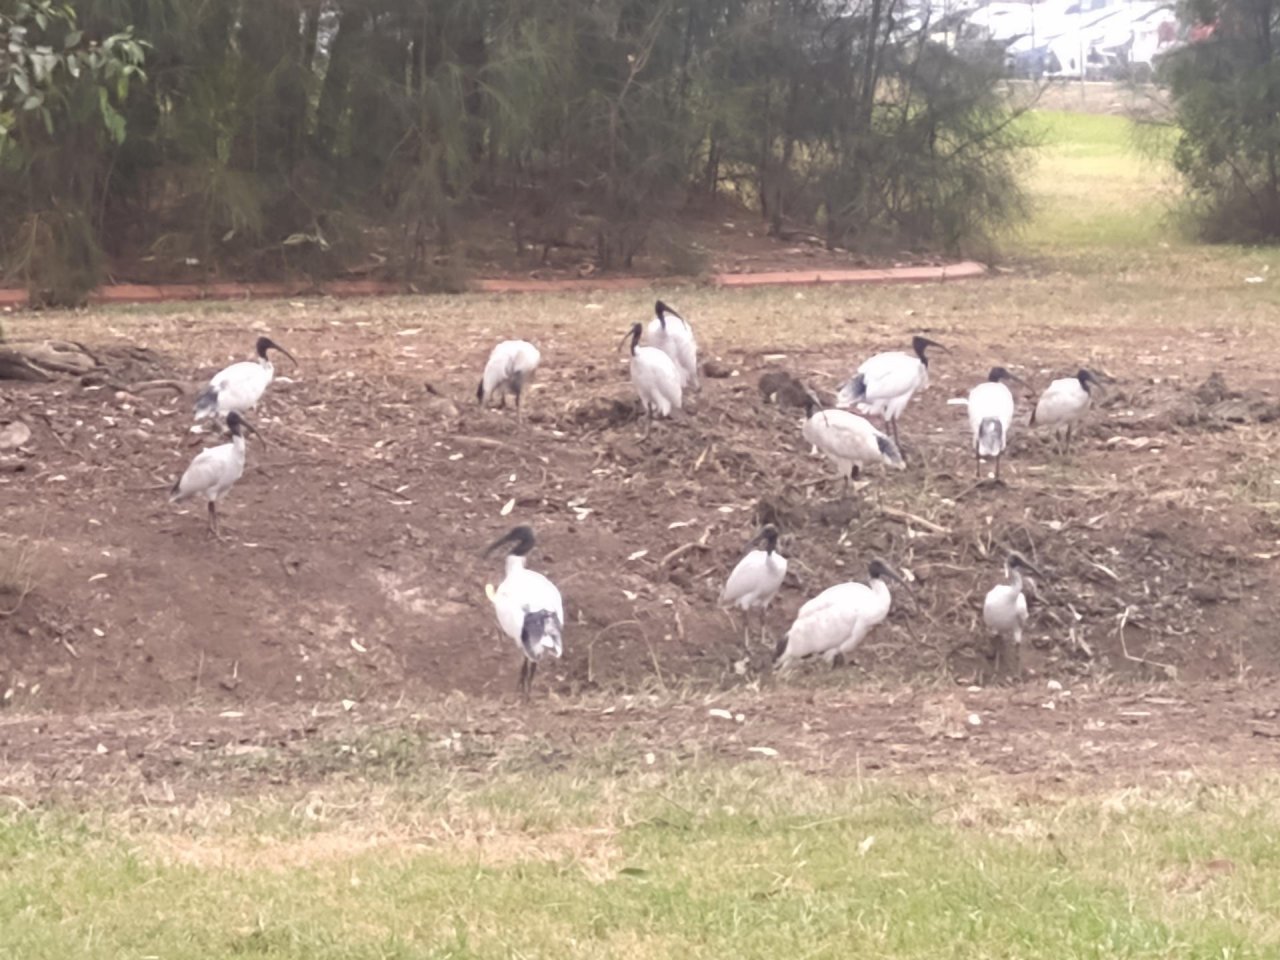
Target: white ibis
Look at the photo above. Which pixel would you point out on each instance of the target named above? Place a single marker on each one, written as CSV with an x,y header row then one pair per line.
x,y
885,384
1004,611
1064,402
511,365
528,607
240,386
672,334
990,416
851,442
214,471
838,619
656,378
756,579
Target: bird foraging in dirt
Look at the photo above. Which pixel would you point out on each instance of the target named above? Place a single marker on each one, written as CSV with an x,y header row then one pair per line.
x,y
656,378
990,417
510,367
528,606
834,622
214,471
756,579
885,383
851,442
1004,611
239,387
1064,402
672,334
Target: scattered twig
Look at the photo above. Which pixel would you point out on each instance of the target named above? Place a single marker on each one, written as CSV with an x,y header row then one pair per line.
x,y
680,551
903,517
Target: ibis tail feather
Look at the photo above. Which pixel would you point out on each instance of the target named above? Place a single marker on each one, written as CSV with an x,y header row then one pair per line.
x,y
990,437
206,403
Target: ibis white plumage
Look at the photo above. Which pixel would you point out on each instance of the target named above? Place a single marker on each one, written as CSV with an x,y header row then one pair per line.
x,y
1004,611
528,606
850,441
239,387
214,471
756,579
656,378
834,622
1064,402
991,407
510,367
885,383
672,334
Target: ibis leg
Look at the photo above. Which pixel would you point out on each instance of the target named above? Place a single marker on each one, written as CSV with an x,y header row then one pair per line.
x,y
528,687
648,423
213,519
1068,448
522,687
999,457
977,463
519,411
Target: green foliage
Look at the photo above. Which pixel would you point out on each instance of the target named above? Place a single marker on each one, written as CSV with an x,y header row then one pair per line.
x,y
61,94
1226,93
265,122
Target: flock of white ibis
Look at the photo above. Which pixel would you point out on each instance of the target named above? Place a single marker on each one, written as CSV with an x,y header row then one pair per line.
x,y
831,625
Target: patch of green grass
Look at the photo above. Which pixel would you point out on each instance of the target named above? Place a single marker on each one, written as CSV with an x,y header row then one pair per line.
x,y
691,862
1094,185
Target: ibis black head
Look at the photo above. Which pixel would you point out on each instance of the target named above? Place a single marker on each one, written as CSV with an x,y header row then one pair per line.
x,y
520,538
634,333
266,343
811,404
767,538
1000,373
1086,377
918,344
879,570
236,424
1017,561
480,392
661,310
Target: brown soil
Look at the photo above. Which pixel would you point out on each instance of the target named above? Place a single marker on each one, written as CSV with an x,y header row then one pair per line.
x,y
353,570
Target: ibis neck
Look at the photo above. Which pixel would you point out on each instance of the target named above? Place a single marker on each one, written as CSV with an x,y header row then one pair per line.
x,y
237,441
514,564
1015,580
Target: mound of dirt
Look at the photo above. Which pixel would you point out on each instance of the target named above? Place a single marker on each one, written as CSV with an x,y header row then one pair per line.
x,y
353,567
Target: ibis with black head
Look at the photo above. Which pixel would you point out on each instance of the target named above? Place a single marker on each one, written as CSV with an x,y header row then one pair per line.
x,y
239,387
1064,402
991,407
656,378
511,365
528,607
215,471
848,440
1004,611
885,383
834,622
673,335
756,579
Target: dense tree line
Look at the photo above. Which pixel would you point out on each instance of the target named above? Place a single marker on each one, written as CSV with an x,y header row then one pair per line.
x,y
1225,87
287,134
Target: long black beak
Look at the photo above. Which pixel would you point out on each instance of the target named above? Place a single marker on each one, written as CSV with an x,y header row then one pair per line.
x,y
276,346
1023,563
254,430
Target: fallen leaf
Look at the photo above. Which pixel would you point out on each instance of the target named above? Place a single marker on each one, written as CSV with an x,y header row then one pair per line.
x,y
507,507
763,751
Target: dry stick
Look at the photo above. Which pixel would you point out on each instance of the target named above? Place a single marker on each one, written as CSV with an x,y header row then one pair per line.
x,y
681,551
901,515
385,489
1170,670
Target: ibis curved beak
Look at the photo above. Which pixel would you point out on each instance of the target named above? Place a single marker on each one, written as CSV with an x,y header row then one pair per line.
x,y
254,430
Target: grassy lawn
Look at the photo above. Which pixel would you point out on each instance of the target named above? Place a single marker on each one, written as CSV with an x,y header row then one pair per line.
x,y
1095,184
693,861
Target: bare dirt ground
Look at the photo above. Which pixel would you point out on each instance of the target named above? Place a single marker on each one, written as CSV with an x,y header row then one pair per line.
x,y
353,572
